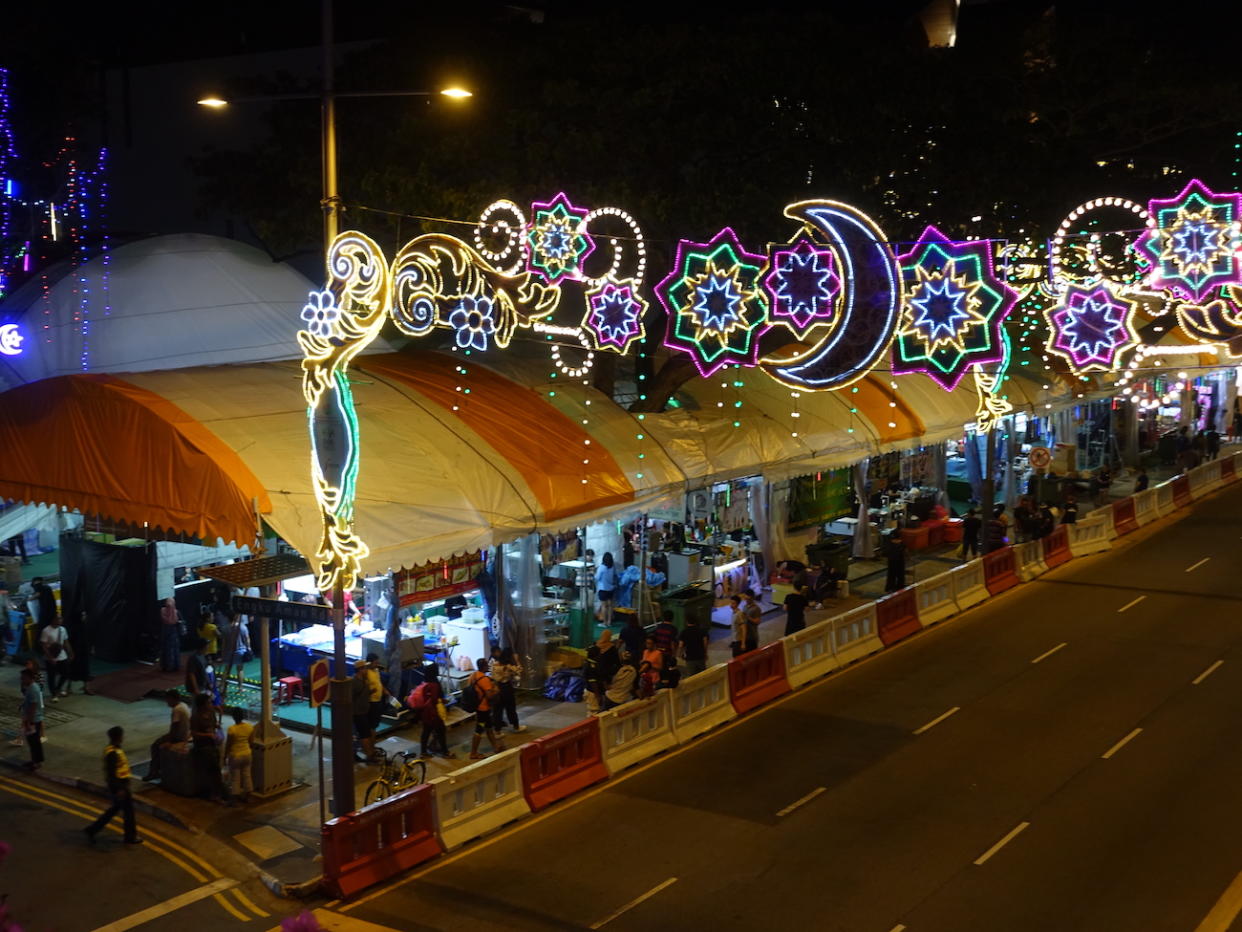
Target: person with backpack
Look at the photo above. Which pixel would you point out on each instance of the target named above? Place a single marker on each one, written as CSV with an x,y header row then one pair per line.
x,y
426,700
477,697
506,671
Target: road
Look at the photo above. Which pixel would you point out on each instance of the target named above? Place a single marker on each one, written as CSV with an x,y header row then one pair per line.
x,y
1065,757
174,882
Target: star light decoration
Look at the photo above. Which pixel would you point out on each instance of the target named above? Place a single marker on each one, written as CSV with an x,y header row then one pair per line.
x,y
1191,242
802,284
614,317
954,309
1091,327
716,306
556,241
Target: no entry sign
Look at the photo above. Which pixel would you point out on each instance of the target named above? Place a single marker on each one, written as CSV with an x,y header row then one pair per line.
x,y
320,682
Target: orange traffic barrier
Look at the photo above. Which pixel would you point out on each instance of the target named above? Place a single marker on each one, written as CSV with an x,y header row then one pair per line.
x,y
1124,520
1181,491
560,764
757,677
999,570
1228,472
897,616
369,846
1056,547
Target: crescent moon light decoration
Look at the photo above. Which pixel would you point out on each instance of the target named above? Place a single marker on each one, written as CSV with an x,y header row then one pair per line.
x,y
867,306
10,340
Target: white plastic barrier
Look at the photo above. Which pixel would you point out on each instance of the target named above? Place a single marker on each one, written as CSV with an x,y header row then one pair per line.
x,y
809,654
637,730
480,798
1145,510
935,598
1105,513
1028,560
855,635
701,702
1091,534
969,587
1204,479
1164,499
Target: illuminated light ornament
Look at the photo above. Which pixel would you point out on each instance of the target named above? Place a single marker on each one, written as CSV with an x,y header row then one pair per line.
x,y
1092,327
614,317
621,249
955,309
716,307
556,240
868,306
1191,242
473,322
10,340
574,372
341,321
502,219
1216,321
802,285
1063,240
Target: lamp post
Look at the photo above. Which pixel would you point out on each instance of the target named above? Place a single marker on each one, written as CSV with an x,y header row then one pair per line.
x,y
342,719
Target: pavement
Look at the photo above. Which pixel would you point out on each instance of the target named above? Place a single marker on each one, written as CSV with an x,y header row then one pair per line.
x,y
280,836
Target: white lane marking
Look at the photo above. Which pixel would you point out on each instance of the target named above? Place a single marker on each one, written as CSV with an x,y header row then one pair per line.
x,y
163,909
1206,673
937,720
1226,909
1121,744
1000,844
1130,605
898,928
1191,569
802,802
634,902
1048,653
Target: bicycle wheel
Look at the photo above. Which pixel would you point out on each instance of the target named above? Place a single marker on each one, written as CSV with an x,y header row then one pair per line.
x,y
414,773
379,789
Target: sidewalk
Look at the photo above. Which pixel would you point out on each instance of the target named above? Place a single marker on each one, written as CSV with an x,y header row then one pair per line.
x,y
280,836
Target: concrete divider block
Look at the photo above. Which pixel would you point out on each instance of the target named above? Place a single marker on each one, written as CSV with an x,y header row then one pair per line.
x,y
479,799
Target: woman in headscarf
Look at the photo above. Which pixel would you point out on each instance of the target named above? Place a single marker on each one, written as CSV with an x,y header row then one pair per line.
x,y
602,663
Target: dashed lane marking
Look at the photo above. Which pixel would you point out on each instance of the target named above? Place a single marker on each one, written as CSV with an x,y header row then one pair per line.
x,y
1121,744
937,720
1048,653
1226,909
801,802
1191,569
634,902
1206,673
1131,604
982,859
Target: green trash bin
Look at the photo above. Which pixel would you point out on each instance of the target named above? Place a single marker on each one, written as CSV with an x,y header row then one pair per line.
x,y
689,602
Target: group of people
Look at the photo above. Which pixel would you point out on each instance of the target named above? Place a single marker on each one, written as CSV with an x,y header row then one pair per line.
x,y
641,663
199,732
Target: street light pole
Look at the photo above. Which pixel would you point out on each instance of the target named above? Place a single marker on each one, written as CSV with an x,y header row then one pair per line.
x,y
331,199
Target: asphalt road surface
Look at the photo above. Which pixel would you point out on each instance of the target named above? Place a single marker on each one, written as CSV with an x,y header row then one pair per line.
x,y
57,882
1065,757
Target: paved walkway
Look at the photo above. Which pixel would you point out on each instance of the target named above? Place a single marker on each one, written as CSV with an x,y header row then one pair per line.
x,y
280,835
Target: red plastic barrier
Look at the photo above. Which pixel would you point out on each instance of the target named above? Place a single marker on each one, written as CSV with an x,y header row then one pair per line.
x,y
1124,520
560,764
897,616
1181,491
1056,547
999,570
1228,472
382,840
757,677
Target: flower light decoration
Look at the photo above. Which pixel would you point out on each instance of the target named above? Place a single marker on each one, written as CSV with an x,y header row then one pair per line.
x,y
1192,241
1091,327
556,240
803,285
716,306
614,317
954,309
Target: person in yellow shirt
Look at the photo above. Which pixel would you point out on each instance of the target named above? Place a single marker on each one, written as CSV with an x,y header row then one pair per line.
x,y
209,632
237,753
116,773
378,693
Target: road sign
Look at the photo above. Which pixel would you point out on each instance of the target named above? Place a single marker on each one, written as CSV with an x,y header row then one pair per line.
x,y
320,681
1040,457
287,611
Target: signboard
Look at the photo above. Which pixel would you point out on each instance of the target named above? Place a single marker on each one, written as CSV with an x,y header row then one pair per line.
x,y
320,682
438,580
1040,457
286,611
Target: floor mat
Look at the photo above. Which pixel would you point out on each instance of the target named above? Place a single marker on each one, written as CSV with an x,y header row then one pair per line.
x,y
134,683
10,718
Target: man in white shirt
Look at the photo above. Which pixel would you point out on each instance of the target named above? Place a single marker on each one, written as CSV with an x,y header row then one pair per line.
x,y
55,643
178,731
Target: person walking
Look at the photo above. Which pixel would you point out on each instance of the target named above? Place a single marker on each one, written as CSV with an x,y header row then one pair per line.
x,y
56,654
197,670
692,646
994,533
116,775
427,700
487,691
754,614
602,661
737,621
506,671
896,553
360,709
32,718
238,756
170,636
971,525
1212,439
377,695
178,732
665,634
605,588
795,610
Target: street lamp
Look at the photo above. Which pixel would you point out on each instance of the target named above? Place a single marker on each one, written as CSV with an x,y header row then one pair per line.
x,y
342,721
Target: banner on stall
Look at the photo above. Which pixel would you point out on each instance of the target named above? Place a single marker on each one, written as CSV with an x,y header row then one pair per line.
x,y
440,580
819,498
